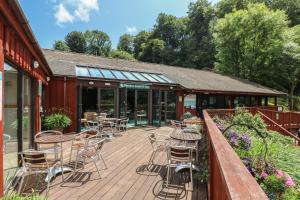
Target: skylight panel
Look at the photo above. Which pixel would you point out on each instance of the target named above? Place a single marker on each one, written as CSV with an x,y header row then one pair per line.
x,y
95,73
158,78
139,76
107,74
149,77
130,76
82,71
165,78
118,74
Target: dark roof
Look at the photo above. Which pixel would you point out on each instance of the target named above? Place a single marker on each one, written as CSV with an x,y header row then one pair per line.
x,y
63,63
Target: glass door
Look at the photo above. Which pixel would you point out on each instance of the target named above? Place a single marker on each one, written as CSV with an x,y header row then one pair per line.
x,y
142,107
122,102
130,111
10,135
156,96
27,108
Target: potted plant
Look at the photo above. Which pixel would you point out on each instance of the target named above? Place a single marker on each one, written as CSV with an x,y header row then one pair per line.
x,y
57,121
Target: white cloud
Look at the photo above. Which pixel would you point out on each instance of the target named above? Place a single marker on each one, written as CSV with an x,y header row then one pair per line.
x,y
62,15
131,29
69,10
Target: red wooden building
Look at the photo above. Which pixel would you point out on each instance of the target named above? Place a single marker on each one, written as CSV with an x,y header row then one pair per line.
x,y
32,80
23,77
146,93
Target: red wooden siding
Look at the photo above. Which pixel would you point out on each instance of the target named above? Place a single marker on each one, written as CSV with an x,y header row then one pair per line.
x,y
229,178
62,93
1,122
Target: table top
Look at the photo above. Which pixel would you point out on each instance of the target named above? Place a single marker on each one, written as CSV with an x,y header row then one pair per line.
x,y
179,135
51,139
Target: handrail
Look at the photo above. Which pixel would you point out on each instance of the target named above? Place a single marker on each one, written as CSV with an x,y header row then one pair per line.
x,y
229,178
288,133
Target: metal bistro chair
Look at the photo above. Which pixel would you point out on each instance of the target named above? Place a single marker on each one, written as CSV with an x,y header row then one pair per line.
x,y
55,149
81,139
35,162
92,150
159,143
179,155
123,124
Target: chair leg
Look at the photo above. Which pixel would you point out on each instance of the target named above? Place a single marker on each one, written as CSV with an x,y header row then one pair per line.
x,y
191,176
21,184
75,168
168,174
70,155
96,166
47,190
101,158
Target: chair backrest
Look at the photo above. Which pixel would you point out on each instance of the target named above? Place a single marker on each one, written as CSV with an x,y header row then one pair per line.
x,y
103,115
152,138
95,143
179,154
33,157
90,116
49,132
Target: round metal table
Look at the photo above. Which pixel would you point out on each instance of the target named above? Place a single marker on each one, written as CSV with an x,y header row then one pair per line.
x,y
185,136
55,139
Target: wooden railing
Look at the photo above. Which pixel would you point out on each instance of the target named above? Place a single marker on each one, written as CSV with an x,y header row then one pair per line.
x,y
229,178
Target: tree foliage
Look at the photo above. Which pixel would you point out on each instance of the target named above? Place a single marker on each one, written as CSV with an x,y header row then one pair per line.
x,y
126,43
60,45
139,41
153,51
249,43
76,42
122,55
98,43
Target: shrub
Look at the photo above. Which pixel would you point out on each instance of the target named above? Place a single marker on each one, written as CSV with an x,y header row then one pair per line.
x,y
57,121
187,115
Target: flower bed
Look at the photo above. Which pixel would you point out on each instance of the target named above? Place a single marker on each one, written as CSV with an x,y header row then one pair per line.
x,y
270,157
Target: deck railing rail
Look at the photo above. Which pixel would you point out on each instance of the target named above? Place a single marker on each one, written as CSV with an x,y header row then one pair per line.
x,y
229,178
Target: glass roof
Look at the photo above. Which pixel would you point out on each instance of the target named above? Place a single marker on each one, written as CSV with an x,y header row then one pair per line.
x,y
107,73
84,71
95,73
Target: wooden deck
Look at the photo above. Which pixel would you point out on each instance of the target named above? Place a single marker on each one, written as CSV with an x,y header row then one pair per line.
x,y
128,175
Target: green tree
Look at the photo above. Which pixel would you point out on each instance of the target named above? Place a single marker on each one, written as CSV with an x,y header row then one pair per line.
x,y
98,43
153,51
200,45
76,42
139,41
249,44
291,7
291,61
122,55
173,31
126,43
60,45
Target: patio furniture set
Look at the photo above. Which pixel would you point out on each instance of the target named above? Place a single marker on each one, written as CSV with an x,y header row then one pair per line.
x,y
181,147
48,159
108,126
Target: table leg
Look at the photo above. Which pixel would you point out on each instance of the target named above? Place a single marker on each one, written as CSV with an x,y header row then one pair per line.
x,y
61,161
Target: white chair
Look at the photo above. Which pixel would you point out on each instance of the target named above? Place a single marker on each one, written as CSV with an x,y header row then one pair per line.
x,y
159,143
35,162
81,139
179,155
92,150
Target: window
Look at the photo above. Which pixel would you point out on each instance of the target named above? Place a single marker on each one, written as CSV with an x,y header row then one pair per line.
x,y
149,77
82,71
139,76
107,73
130,76
95,73
158,78
190,101
165,78
118,74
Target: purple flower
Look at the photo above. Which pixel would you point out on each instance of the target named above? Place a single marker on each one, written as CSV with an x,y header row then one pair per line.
x,y
279,173
289,182
245,142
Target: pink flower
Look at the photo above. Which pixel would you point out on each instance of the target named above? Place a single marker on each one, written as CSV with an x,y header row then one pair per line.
x,y
264,174
279,173
289,182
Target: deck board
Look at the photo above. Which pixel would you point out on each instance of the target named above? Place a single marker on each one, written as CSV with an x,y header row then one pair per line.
x,y
128,176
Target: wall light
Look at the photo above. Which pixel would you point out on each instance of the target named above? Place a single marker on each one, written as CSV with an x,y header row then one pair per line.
x,y
107,84
171,88
91,83
48,78
35,64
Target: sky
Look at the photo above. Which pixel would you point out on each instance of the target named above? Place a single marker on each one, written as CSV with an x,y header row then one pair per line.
x,y
51,20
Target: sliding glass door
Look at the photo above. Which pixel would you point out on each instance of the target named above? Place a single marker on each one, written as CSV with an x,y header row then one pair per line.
x,y
142,107
18,129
